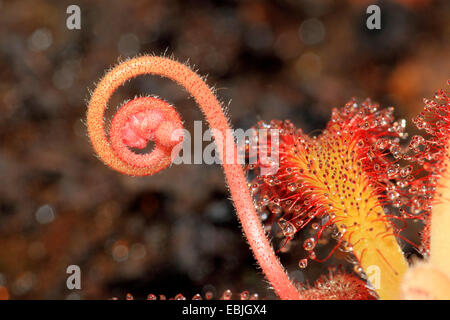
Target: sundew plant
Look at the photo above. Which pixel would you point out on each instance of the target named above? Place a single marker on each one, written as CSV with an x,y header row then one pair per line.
x,y
360,182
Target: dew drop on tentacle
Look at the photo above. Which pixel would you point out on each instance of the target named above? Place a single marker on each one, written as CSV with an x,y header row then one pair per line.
x,y
179,297
292,186
208,295
254,296
286,227
346,247
129,296
245,295
151,297
227,294
303,263
309,244
275,207
359,270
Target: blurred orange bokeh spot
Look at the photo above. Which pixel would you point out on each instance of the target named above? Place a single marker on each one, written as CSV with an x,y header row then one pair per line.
x,y
4,294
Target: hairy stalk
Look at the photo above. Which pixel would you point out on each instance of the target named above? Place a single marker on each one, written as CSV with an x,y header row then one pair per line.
x,y
139,124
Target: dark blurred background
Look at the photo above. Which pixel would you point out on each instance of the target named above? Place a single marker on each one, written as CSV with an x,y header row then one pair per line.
x,y
176,231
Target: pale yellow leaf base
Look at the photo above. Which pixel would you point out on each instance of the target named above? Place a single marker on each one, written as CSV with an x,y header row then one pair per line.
x,y
425,282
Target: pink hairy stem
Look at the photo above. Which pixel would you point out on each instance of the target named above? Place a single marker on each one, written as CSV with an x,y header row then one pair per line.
x,y
150,118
